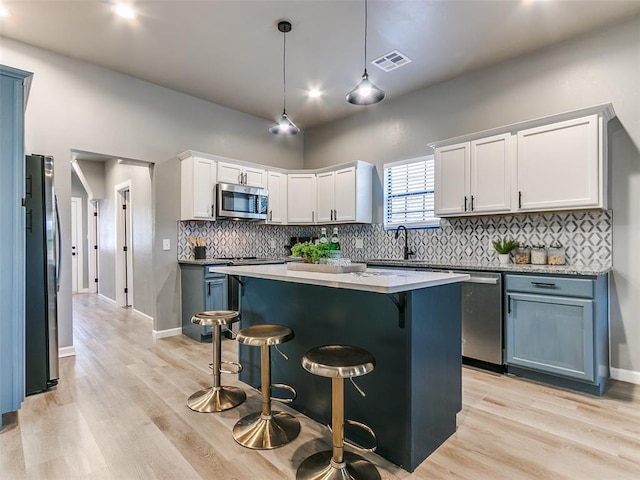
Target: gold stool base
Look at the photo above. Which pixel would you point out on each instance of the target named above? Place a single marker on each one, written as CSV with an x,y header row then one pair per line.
x,y
216,399
264,433
320,467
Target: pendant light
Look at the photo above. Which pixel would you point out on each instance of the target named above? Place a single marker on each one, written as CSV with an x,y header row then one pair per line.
x,y
365,93
284,125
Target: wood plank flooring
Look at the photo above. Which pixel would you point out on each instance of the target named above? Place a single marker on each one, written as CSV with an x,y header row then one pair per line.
x,y
119,412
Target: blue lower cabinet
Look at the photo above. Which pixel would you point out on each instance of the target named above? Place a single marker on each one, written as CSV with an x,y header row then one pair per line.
x,y
556,330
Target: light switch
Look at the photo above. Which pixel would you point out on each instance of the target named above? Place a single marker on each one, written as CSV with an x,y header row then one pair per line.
x,y
359,243
166,244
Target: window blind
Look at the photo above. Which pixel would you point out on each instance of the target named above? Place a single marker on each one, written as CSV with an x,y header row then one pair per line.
x,y
409,193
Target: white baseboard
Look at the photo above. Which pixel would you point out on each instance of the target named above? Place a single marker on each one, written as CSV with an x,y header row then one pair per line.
x,y
170,332
625,375
107,299
66,352
143,315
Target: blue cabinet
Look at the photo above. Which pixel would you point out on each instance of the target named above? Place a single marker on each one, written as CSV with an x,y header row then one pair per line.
x,y
556,330
202,290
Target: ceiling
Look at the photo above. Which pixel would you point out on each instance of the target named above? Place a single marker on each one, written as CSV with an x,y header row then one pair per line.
x,y
230,51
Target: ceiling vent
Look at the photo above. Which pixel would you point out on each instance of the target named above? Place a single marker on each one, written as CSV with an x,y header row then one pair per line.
x,y
391,61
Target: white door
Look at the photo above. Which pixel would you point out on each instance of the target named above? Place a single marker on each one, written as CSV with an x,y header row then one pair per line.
x,y
345,197
326,196
277,187
301,198
558,165
490,175
77,262
124,245
451,183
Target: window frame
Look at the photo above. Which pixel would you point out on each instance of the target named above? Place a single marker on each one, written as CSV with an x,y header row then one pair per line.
x,y
430,222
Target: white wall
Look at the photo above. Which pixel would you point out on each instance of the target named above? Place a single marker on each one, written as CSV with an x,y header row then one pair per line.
x,y
600,68
77,106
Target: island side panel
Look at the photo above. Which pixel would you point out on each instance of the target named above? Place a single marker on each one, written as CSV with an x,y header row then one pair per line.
x,y
436,366
323,315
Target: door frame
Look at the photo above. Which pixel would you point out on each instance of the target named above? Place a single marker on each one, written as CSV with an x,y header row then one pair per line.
x,y
124,236
93,236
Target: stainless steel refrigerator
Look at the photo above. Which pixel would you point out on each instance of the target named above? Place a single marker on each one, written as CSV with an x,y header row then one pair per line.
x,y
41,274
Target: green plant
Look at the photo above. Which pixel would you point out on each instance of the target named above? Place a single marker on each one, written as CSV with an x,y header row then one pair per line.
x,y
505,246
311,252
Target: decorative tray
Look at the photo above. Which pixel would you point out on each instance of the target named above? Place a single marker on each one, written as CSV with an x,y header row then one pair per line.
x,y
324,268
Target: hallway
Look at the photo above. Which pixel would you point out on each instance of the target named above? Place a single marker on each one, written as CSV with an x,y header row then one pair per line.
x,y
119,412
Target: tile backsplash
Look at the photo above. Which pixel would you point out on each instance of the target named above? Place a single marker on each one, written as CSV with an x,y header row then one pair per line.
x,y
587,237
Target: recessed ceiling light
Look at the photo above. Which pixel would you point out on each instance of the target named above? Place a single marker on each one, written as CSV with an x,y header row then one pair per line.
x,y
314,93
125,11
4,12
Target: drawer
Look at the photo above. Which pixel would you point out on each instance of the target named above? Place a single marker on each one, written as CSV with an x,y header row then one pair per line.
x,y
546,285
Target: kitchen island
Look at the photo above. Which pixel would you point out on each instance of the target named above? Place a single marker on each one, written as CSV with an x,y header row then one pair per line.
x,y
409,321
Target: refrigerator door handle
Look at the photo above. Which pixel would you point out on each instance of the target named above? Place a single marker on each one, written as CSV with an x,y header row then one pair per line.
x,y
58,244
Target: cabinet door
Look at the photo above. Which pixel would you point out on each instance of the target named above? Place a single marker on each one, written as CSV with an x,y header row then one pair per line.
x,y
345,196
326,196
255,177
452,179
301,198
216,294
229,173
551,334
277,186
197,196
559,166
490,175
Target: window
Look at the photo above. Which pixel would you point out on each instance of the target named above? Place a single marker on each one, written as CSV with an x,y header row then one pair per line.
x,y
409,193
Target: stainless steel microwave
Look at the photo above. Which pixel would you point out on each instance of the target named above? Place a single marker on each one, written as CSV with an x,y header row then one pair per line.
x,y
239,202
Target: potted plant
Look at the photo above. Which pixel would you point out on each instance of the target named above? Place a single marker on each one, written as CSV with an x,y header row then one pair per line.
x,y
504,247
310,252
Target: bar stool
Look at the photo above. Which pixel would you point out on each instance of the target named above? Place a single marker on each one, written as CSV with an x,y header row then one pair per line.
x,y
217,398
339,362
266,429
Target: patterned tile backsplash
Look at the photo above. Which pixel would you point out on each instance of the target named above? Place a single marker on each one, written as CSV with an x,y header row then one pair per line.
x,y
587,237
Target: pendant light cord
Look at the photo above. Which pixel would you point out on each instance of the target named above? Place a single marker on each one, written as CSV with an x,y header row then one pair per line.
x,y
284,71
366,22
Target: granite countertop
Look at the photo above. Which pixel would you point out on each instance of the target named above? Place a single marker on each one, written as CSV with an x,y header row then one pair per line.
x,y
592,270
371,280
228,261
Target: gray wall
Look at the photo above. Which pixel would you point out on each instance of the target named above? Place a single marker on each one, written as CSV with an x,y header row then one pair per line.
x,y
77,106
599,68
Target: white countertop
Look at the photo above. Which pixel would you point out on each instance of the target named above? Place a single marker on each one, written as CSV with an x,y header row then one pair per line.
x,y
371,280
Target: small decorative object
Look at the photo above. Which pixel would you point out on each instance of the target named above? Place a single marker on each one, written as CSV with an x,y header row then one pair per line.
x,y
538,255
504,247
523,255
555,255
199,247
310,252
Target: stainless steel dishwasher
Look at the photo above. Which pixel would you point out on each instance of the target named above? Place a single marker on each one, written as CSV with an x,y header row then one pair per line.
x,y
482,317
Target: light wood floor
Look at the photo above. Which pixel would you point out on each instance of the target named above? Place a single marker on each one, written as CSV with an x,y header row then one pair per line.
x,y
119,412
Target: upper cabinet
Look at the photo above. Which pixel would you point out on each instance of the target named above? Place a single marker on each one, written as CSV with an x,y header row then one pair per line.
x,y
560,166
198,183
242,175
277,187
345,194
549,164
301,198
474,177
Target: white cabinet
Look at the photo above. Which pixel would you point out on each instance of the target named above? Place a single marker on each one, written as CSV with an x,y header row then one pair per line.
x,y
277,186
345,194
301,198
197,192
473,177
560,166
242,175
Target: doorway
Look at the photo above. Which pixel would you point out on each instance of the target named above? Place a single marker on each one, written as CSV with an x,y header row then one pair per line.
x,y
124,245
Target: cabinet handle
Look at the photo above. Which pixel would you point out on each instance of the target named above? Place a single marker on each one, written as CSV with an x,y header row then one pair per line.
x,y
472,203
313,216
208,289
519,199
335,215
270,215
331,211
509,305
245,178
213,212
543,285
465,203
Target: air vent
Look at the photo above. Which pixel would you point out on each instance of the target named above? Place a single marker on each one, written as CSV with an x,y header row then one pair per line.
x,y
391,61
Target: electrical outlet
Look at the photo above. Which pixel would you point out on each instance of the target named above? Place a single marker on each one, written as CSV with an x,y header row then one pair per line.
x,y
359,243
272,243
166,244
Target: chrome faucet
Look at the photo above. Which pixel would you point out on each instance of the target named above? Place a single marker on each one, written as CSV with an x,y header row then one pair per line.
x,y
405,252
